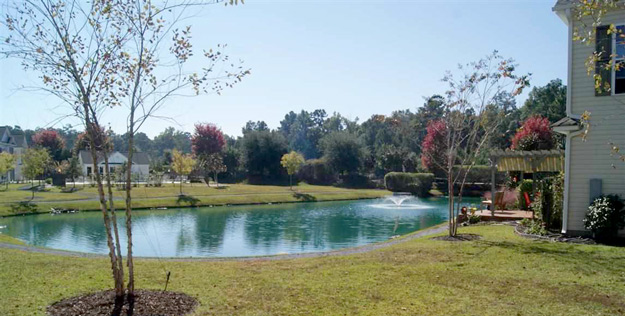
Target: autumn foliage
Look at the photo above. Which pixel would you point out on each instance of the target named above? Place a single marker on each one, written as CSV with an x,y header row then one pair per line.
x,y
433,148
534,134
207,139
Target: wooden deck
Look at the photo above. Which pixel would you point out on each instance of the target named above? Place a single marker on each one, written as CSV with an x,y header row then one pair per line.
x,y
505,215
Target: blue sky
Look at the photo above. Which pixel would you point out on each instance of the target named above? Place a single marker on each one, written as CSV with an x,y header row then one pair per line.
x,y
357,58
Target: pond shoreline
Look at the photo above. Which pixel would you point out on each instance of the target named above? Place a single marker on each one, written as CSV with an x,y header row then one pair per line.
x,y
167,207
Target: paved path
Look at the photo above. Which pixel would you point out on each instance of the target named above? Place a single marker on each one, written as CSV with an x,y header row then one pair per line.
x,y
343,252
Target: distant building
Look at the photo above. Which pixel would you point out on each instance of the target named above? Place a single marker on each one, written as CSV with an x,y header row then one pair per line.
x,y
14,144
140,163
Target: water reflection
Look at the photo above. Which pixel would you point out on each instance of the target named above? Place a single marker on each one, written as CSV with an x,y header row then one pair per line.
x,y
232,231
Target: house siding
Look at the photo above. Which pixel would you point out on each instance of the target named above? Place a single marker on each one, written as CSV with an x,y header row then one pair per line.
x,y
590,158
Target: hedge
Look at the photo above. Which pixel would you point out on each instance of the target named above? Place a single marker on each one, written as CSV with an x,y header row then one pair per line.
x,y
416,183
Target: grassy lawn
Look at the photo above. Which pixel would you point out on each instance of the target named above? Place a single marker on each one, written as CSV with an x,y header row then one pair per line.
x,y
503,274
166,196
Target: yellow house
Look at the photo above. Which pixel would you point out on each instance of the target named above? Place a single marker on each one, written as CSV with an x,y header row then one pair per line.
x,y
591,168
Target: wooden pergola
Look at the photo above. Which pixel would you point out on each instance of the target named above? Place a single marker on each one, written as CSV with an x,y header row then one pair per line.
x,y
526,162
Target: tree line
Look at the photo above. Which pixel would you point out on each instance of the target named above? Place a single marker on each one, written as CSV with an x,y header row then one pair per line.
x,y
372,148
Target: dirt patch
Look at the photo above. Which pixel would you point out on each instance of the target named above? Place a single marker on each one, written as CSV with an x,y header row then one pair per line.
x,y
458,237
146,303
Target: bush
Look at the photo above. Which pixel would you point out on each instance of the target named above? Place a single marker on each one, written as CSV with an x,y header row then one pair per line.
x,y
474,219
416,183
534,226
605,216
526,186
548,203
316,171
48,180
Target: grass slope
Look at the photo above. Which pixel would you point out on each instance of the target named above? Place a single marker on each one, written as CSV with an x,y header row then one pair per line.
x,y
167,195
503,274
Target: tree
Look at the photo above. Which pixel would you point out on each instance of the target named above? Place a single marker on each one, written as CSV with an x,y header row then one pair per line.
x,y
213,163
469,123
95,55
261,153
343,151
182,164
292,162
434,147
535,134
206,141
548,101
50,140
73,170
7,163
251,126
35,161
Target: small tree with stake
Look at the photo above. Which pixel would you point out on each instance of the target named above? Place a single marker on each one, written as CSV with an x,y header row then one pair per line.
x,y
292,162
470,119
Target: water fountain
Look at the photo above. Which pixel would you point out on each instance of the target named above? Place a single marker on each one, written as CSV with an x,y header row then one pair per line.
x,y
400,201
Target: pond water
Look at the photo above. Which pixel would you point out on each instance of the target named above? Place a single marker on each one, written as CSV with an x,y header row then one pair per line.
x,y
235,230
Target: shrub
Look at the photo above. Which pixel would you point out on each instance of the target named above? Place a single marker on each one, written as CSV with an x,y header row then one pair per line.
x,y
416,183
534,226
605,216
526,186
474,219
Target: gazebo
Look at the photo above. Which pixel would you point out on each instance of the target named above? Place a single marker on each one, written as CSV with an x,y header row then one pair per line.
x,y
524,161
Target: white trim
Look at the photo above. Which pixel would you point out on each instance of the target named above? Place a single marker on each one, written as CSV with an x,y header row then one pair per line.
x,y
614,61
569,78
565,129
567,180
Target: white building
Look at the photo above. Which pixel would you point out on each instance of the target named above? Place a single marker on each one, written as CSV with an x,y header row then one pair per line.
x,y
590,167
140,163
14,144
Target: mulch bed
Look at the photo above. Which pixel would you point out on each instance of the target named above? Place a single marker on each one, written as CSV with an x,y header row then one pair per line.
x,y
553,237
147,303
458,237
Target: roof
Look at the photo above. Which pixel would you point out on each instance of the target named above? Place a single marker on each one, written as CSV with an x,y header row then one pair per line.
x,y
529,161
561,7
566,125
20,140
138,158
10,139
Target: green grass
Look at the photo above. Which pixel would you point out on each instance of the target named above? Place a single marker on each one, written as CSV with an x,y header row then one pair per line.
x,y
167,196
503,274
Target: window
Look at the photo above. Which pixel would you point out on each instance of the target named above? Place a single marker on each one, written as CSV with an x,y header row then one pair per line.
x,y
88,171
111,169
101,170
619,60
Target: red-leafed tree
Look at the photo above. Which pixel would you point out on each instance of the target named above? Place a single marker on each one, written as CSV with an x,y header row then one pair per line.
x,y
434,147
207,141
534,134
52,141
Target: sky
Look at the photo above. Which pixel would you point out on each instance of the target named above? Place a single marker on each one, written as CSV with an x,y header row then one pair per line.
x,y
357,58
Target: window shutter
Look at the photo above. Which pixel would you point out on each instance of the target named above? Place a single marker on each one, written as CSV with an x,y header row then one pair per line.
x,y
603,47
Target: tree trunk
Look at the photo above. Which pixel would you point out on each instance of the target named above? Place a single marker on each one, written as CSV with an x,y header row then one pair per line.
x,y
216,180
291,182
120,259
181,185
129,259
119,281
